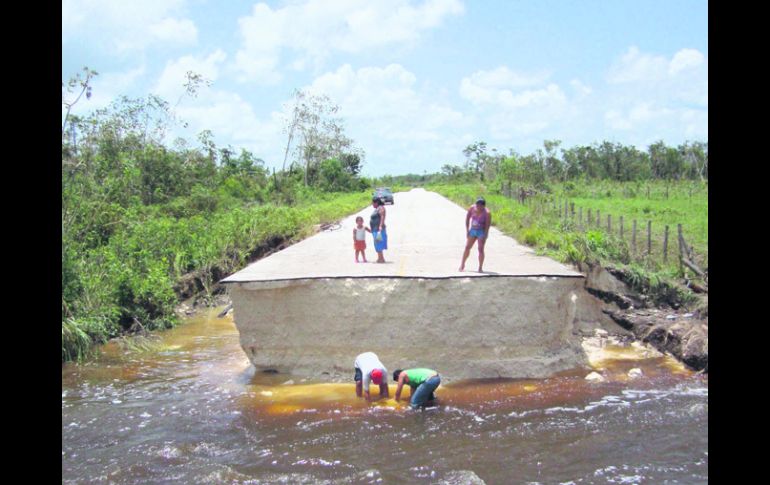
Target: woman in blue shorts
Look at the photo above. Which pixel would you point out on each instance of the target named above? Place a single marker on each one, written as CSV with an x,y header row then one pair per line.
x,y
377,225
477,222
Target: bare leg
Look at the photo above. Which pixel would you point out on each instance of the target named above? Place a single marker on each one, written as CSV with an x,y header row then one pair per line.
x,y
384,390
482,242
380,257
467,252
359,388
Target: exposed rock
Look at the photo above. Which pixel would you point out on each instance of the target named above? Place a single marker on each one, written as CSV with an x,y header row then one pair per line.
x,y
634,373
595,377
684,338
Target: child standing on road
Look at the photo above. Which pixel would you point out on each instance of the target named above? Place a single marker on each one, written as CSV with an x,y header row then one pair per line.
x,y
359,238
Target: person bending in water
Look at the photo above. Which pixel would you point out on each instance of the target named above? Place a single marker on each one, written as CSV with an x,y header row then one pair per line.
x,y
369,369
477,222
359,238
422,382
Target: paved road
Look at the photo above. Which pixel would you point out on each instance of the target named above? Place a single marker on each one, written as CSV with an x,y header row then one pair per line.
x,y
426,238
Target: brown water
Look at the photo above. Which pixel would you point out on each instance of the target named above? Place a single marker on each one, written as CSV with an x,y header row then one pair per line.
x,y
193,410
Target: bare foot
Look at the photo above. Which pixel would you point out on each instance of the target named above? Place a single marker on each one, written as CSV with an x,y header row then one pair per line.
x,y
462,268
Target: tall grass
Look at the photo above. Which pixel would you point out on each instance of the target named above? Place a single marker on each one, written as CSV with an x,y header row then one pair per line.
x,y
133,276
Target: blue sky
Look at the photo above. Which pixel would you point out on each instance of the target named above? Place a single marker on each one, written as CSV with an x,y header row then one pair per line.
x,y
416,81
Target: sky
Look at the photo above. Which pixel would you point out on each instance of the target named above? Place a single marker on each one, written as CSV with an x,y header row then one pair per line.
x,y
416,81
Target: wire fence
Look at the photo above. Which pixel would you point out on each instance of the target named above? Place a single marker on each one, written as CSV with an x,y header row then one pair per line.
x,y
664,244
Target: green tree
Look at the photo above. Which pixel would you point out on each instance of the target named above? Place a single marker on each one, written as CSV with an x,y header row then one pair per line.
x,y
554,167
476,158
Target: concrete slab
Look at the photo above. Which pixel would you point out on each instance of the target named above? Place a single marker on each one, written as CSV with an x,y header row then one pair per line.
x,y
426,238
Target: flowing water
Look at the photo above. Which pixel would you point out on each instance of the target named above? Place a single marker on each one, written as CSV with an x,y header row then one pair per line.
x,y
193,410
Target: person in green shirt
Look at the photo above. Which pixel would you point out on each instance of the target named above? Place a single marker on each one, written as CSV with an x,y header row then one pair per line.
x,y
422,382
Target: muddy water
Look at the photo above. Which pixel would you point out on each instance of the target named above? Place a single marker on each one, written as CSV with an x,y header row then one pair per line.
x,y
192,410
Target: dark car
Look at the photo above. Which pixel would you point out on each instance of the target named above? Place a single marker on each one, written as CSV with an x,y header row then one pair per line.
x,y
385,194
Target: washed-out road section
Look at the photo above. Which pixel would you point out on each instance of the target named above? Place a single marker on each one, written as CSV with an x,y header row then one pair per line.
x,y
309,309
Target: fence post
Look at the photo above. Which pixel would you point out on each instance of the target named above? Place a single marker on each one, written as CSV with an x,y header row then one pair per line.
x,y
681,249
633,237
649,238
565,209
572,210
580,217
598,219
621,227
590,219
609,223
665,245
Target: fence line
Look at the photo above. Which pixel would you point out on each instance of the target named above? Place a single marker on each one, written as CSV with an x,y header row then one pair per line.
x,y
656,248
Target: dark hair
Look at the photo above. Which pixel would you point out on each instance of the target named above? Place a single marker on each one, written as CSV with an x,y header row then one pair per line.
x,y
481,201
378,200
396,373
359,217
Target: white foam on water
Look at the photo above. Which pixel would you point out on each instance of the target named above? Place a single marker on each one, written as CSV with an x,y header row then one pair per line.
x,y
558,409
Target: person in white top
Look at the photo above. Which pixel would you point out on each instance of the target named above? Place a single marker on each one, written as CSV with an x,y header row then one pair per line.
x,y
359,238
370,369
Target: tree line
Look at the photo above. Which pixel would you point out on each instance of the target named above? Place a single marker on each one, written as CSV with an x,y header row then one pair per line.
x,y
552,164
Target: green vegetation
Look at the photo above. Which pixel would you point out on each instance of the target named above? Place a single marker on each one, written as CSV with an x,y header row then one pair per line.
x,y
141,221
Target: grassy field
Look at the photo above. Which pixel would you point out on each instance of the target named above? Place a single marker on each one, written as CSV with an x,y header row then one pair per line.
x,y
683,203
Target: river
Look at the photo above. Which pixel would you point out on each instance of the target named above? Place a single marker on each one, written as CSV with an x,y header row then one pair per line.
x,y
191,409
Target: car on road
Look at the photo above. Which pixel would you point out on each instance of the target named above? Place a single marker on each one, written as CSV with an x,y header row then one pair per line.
x,y
384,193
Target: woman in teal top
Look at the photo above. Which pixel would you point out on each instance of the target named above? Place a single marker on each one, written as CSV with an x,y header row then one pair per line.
x,y
422,382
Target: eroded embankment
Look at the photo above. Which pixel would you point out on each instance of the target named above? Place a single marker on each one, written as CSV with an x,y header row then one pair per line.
x,y
464,327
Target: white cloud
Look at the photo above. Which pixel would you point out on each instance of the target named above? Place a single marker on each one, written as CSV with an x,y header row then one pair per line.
x,y
515,104
174,30
696,124
230,117
386,101
392,118
581,89
658,96
635,66
72,18
497,85
126,26
501,86
685,59
311,31
641,113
